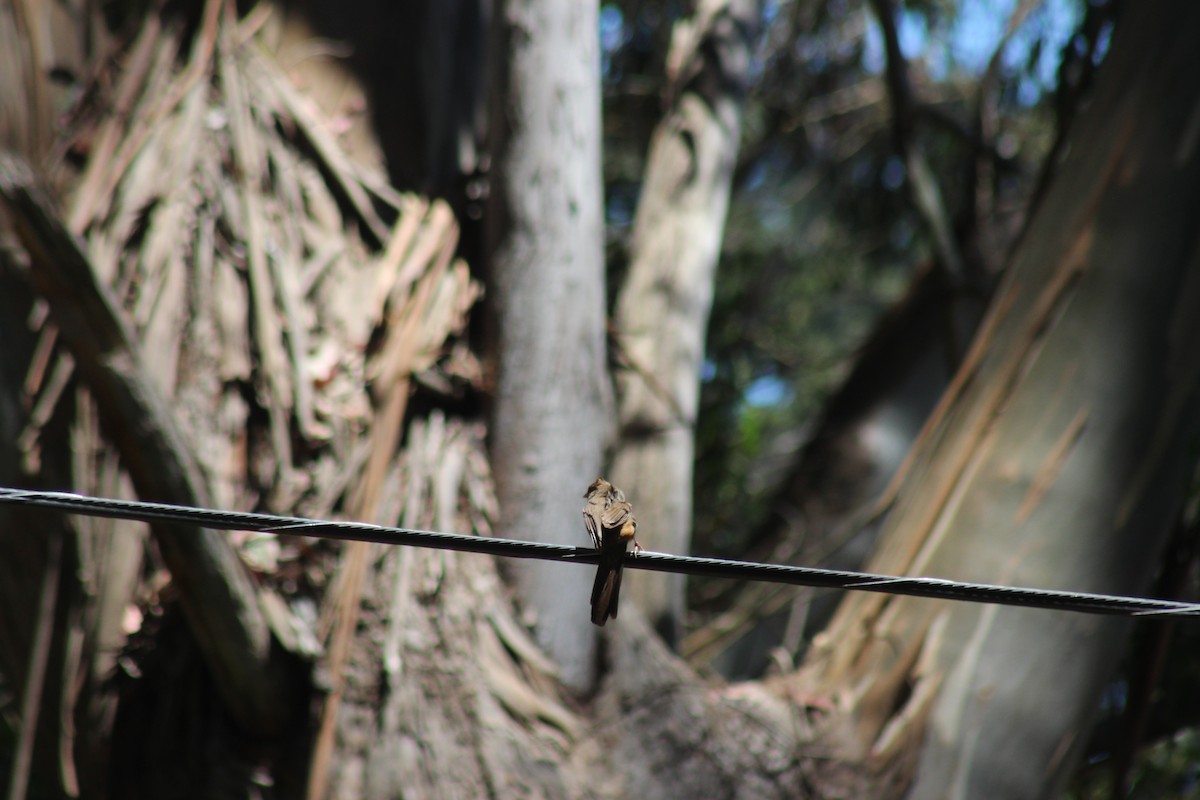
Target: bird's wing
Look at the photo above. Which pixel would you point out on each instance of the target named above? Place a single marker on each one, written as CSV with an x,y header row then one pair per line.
x,y
592,525
618,515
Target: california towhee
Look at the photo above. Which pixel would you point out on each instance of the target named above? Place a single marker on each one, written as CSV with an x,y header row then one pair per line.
x,y
610,521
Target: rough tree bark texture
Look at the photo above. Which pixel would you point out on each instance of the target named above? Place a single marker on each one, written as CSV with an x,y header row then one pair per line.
x,y
443,694
218,593
552,392
662,312
62,740
207,193
1058,457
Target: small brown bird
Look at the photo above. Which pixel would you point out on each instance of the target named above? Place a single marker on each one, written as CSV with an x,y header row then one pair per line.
x,y
609,519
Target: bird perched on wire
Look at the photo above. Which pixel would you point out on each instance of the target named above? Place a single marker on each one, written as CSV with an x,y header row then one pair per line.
x,y
609,519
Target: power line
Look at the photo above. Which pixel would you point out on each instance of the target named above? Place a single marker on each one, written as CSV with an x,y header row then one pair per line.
x,y
659,562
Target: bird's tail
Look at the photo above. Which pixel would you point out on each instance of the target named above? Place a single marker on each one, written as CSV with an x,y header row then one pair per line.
x,y
606,590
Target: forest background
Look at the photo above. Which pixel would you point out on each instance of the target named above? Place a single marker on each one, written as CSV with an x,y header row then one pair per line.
x,y
907,287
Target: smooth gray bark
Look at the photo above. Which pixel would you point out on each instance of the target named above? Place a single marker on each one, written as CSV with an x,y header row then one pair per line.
x,y
552,392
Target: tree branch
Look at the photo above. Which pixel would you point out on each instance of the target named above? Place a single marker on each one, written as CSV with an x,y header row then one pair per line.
x,y
926,194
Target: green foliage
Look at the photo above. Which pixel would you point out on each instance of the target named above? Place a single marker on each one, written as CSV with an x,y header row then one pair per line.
x,y
1167,768
796,292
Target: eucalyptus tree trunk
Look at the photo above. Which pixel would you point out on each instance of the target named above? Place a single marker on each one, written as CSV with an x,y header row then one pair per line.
x,y
552,396
662,311
1058,457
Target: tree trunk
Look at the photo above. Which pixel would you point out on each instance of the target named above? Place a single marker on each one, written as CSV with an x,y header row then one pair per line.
x,y
1058,457
1064,433
552,393
662,311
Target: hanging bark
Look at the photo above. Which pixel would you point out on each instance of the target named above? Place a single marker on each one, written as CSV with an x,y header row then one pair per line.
x,y
216,589
293,251
662,311
1057,458
219,222
442,692
552,396
417,67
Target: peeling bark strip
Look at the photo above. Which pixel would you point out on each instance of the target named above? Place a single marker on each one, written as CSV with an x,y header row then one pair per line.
x,y
662,311
424,297
444,695
1066,417
208,161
